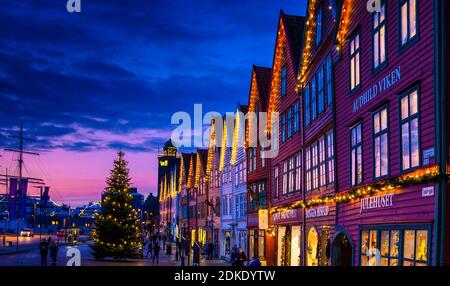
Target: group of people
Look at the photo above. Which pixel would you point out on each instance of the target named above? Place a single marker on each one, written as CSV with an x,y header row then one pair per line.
x,y
153,248
46,246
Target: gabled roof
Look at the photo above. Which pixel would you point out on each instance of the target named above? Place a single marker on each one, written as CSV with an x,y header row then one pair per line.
x,y
263,76
289,35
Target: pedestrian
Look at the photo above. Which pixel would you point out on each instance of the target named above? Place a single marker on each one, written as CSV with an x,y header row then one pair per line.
x,y
43,249
53,252
150,248
234,256
196,249
156,249
241,258
255,262
210,250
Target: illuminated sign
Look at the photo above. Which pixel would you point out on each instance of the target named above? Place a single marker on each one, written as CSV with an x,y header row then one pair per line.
x,y
164,163
318,212
263,219
377,202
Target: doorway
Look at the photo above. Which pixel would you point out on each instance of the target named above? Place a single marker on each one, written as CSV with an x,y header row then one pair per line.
x,y
342,251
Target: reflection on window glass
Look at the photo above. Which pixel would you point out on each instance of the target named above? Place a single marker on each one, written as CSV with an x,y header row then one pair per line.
x,y
409,244
395,239
422,245
385,243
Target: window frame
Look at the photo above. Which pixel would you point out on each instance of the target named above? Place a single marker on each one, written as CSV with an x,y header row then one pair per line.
x,y
319,26
381,65
401,228
351,55
411,40
380,134
355,147
410,118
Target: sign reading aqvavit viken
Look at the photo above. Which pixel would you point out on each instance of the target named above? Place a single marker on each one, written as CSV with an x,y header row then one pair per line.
x,y
377,202
378,88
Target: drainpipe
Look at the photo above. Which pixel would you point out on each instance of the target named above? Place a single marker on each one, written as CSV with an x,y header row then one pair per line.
x,y
440,10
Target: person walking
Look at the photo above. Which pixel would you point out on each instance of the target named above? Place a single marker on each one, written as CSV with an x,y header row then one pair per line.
x,y
156,249
43,249
150,248
234,256
53,252
210,250
196,249
241,258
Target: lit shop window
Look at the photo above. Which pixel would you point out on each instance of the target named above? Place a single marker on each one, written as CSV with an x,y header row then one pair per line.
x,y
319,27
410,130
381,143
379,37
394,246
355,69
356,153
312,248
408,20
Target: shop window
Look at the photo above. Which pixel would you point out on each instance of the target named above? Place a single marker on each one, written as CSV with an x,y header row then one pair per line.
x,y
261,244
410,130
395,246
379,37
312,248
356,154
381,143
355,69
408,21
295,246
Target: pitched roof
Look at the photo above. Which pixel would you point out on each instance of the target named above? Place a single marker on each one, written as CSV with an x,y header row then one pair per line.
x,y
294,26
263,76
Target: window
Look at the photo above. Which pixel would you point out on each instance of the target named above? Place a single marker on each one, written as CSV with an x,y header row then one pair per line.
x,y
283,128
308,169
320,90
298,173
410,130
289,123
330,156
285,177
329,80
356,154
283,81
307,100
322,163
379,37
262,195
252,160
291,187
381,144
354,62
276,182
315,166
408,20
319,27
313,99
296,118
397,246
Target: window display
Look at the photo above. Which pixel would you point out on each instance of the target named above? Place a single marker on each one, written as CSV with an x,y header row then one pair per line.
x,y
385,245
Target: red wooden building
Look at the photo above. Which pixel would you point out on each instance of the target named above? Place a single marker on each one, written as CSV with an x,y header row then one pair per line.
x,y
285,172
257,168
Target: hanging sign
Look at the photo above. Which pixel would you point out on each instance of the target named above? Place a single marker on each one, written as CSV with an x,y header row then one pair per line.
x,y
285,215
263,219
377,202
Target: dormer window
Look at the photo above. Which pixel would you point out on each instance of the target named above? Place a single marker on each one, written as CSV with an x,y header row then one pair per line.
x,y
319,27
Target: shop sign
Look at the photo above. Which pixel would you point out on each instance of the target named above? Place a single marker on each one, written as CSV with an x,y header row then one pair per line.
x,y
285,215
318,212
427,155
427,192
263,219
378,88
377,202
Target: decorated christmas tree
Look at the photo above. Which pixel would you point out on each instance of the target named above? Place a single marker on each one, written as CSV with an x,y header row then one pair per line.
x,y
117,231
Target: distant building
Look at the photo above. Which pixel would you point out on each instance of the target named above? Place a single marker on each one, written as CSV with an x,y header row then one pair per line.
x,y
138,201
